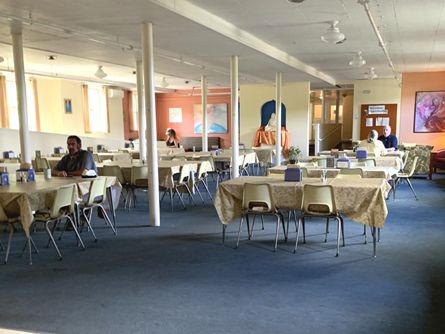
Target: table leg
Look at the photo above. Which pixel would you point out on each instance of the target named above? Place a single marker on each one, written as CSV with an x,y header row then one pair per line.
x,y
374,239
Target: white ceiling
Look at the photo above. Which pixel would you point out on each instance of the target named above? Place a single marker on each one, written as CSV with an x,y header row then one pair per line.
x,y
198,37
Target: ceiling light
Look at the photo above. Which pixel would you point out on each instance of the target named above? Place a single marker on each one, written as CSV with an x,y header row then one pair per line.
x,y
2,59
100,73
296,1
51,57
164,83
357,60
370,75
333,34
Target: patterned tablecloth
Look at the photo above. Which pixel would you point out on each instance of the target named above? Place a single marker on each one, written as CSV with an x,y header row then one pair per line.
x,y
363,202
21,199
368,172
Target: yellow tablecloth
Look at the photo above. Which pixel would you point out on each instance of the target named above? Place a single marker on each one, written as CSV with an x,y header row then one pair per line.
x,y
363,202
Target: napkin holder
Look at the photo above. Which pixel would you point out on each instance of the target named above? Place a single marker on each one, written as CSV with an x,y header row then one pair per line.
x,y
343,163
88,174
293,175
8,155
4,178
25,175
58,150
361,154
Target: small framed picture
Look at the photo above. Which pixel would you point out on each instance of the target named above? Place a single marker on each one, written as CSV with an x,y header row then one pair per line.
x,y
68,106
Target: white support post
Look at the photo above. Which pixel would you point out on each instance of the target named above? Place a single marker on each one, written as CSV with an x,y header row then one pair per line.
x,y
150,110
235,117
19,70
278,79
141,109
205,134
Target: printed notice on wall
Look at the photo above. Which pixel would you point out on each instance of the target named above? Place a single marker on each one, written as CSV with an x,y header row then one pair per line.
x,y
175,115
369,122
382,121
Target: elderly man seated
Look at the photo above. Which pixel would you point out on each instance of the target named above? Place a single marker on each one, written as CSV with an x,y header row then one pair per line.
x,y
373,145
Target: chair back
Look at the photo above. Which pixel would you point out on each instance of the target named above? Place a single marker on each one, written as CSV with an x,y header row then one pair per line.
x,y
405,159
139,176
204,167
65,199
306,164
351,171
97,192
304,172
108,170
179,158
413,167
249,158
185,173
41,164
257,196
97,158
318,200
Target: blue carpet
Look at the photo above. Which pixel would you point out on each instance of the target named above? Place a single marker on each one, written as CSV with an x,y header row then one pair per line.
x,y
178,278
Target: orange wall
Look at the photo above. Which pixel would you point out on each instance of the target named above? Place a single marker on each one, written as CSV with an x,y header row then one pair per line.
x,y
412,83
164,101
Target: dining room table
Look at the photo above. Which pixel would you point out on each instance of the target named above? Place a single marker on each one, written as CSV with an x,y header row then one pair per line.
x,y
362,202
22,199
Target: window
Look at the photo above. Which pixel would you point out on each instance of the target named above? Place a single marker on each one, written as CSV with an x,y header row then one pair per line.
x,y
97,112
11,97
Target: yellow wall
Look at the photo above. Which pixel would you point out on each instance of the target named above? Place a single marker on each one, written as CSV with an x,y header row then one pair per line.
x,y
385,91
53,119
295,96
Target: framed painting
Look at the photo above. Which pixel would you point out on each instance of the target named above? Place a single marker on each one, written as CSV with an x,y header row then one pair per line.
x,y
429,113
216,118
68,106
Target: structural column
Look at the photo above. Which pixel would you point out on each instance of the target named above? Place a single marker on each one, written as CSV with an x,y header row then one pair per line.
x,y
278,79
205,134
19,70
141,109
150,111
235,114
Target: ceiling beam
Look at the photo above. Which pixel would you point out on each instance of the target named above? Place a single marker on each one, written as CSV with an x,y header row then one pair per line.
x,y
198,15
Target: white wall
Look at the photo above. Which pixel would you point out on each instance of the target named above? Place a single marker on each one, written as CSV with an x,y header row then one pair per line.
x,y
385,91
295,96
56,125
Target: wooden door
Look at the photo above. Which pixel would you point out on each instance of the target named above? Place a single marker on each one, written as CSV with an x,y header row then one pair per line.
x,y
375,117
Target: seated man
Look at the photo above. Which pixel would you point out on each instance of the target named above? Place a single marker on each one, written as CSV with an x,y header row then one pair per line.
x,y
76,161
388,140
372,145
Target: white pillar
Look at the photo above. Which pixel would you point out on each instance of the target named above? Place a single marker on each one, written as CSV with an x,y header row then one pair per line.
x,y
278,78
150,110
235,118
141,109
19,70
205,135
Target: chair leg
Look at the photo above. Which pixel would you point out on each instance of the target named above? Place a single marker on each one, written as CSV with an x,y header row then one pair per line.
x,y
107,218
224,226
180,197
304,229
298,234
327,230
77,232
280,215
88,222
239,230
8,247
208,192
199,193
277,229
50,234
342,230
338,236
412,189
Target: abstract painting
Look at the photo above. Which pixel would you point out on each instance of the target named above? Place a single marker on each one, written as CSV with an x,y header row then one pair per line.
x,y
429,115
216,118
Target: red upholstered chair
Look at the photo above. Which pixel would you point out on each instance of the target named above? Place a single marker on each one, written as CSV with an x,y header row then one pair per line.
x,y
437,160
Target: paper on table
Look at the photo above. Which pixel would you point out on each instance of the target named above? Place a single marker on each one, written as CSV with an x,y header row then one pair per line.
x,y
369,122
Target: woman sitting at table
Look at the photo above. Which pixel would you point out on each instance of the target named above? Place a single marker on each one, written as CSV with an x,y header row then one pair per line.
x,y
373,145
172,140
